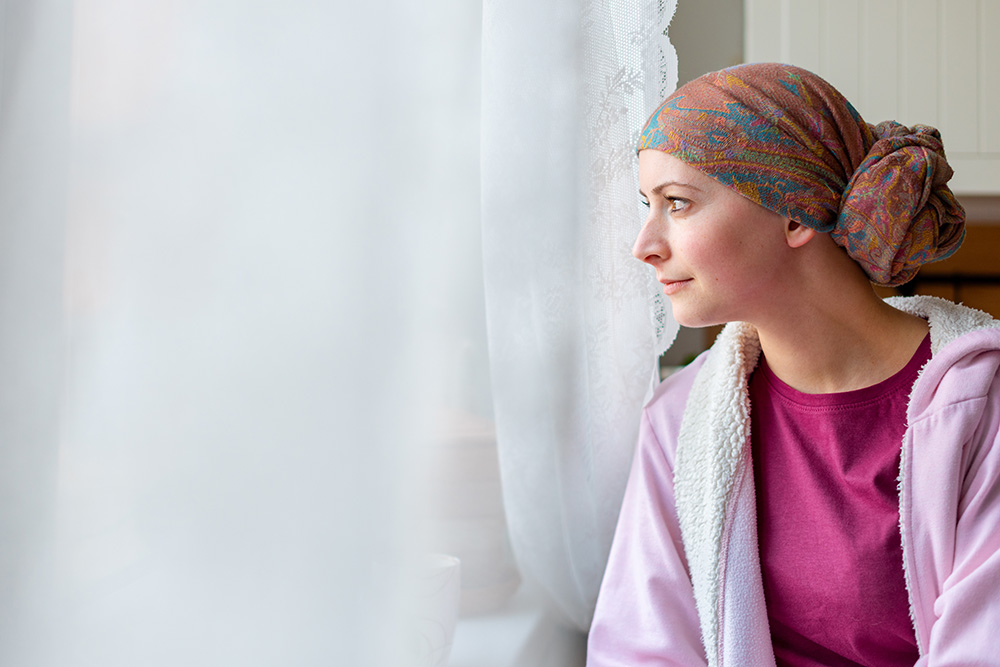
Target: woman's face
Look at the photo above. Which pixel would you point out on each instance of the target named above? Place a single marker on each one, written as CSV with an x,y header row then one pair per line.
x,y
717,253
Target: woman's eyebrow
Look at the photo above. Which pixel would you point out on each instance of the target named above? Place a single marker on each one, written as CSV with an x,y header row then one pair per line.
x,y
666,184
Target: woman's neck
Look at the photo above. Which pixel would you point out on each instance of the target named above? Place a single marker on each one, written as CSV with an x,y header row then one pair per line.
x,y
839,342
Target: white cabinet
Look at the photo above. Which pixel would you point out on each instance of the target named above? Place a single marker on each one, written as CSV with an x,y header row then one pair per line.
x,y
935,62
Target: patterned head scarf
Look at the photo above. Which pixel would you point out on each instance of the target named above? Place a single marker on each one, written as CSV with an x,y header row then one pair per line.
x,y
787,140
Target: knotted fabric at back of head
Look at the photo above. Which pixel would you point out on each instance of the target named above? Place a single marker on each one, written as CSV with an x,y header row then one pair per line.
x,y
789,141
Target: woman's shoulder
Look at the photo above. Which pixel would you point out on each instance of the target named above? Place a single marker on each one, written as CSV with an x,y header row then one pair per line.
x,y
965,361
679,381
949,321
666,408
713,375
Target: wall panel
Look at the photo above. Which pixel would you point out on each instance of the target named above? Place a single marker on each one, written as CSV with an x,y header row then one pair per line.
x,y
804,44
960,75
880,44
762,30
935,62
920,54
841,46
989,77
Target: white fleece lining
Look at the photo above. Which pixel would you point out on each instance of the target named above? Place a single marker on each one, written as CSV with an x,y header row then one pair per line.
x,y
947,320
744,632
714,434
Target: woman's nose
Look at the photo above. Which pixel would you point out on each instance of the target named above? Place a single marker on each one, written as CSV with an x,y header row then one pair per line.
x,y
651,244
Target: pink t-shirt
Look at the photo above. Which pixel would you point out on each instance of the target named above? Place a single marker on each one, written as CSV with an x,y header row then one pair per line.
x,y
825,468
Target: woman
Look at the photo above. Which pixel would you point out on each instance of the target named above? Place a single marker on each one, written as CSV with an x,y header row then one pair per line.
x,y
771,515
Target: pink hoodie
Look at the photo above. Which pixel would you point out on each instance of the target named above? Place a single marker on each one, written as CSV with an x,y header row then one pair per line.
x,y
683,584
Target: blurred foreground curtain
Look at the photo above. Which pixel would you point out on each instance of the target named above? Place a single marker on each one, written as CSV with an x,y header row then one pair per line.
x,y
567,86
231,235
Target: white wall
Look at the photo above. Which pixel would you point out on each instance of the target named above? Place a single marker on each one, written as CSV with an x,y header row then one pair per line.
x,y
708,35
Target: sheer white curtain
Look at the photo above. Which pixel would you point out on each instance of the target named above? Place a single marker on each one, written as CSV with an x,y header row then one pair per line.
x,y
239,241
34,137
230,242
573,346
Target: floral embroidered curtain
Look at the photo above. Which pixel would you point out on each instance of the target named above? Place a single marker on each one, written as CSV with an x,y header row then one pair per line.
x,y
567,87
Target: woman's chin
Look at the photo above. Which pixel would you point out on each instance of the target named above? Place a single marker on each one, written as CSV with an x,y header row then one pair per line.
x,y
694,319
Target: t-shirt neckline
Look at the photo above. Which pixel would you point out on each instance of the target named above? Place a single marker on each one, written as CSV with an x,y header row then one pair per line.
x,y
905,377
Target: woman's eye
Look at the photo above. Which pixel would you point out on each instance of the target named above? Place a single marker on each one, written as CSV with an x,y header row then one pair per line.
x,y
676,205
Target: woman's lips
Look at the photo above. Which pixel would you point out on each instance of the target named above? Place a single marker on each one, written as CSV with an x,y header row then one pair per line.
x,y
674,286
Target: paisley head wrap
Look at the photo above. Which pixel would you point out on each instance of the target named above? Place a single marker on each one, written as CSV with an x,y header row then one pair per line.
x,y
787,140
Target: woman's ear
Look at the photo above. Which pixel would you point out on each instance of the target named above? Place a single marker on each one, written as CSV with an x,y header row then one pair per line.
x,y
798,235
